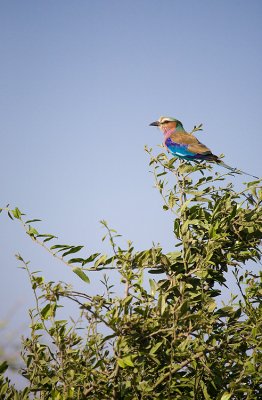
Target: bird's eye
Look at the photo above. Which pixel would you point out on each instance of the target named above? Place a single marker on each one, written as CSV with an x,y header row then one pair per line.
x,y
166,122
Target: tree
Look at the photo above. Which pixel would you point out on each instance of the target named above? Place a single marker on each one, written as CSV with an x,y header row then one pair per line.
x,y
168,336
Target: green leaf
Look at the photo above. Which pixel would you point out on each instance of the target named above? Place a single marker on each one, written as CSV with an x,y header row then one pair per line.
x,y
32,231
3,390
125,362
109,260
187,168
153,286
74,249
128,361
91,258
100,261
156,271
121,363
225,311
45,380
61,322
17,213
46,311
60,246
226,396
155,348
185,206
78,271
3,367
172,200
184,344
76,261
9,215
162,303
204,389
211,306
47,237
201,198
127,300
19,257
161,174
183,308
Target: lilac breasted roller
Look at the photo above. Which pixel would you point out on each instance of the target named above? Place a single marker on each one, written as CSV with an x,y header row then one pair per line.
x,y
185,145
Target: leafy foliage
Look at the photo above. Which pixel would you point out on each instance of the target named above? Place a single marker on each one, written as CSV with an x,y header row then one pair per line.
x,y
168,336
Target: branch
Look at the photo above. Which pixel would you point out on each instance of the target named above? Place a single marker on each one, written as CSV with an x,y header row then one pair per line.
x,y
182,365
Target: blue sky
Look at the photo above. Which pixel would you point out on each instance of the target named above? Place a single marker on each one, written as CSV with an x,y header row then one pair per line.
x,y
80,82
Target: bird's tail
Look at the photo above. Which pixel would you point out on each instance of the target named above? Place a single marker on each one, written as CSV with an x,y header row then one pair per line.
x,y
220,162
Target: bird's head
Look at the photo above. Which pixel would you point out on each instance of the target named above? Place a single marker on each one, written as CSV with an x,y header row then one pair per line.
x,y
167,123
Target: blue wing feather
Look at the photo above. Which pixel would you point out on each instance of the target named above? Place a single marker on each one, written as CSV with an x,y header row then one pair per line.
x,y
179,150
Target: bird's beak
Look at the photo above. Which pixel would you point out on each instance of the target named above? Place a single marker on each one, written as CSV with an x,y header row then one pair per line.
x,y
156,123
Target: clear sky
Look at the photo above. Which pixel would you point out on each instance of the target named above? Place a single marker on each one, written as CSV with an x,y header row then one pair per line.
x,y
79,83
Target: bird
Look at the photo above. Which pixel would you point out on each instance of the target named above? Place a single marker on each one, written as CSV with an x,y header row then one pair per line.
x,y
186,146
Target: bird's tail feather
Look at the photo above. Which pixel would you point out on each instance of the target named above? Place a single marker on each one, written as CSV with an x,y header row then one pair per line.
x,y
220,162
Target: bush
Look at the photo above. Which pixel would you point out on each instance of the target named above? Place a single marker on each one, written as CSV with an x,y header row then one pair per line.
x,y
168,336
